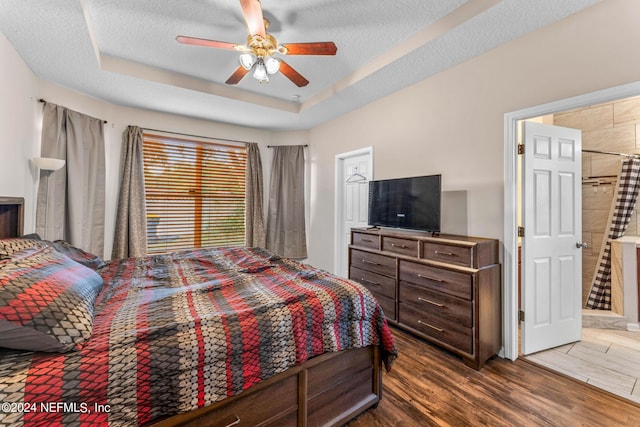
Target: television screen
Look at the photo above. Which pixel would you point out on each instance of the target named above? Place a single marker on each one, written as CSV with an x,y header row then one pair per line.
x,y
411,203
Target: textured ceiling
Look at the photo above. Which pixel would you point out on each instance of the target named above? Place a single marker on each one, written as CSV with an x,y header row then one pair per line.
x,y
125,52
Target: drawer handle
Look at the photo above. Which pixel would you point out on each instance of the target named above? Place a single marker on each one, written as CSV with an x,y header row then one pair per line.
x,y
430,302
371,282
366,240
393,245
430,326
366,261
443,253
234,423
431,278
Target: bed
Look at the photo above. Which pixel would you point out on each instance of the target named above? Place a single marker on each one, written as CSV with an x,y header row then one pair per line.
x,y
225,336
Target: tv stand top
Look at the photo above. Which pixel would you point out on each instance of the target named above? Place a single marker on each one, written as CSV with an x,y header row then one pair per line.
x,y
416,243
404,233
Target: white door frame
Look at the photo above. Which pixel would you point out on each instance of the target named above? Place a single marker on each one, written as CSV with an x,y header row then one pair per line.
x,y
510,261
339,190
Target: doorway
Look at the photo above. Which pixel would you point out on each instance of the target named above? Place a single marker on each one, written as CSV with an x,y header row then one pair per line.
x,y
354,170
596,356
511,197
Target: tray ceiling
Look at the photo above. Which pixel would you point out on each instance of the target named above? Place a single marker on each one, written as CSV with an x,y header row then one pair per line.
x,y
125,52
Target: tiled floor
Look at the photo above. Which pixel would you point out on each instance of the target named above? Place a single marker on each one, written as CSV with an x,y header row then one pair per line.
x,y
606,358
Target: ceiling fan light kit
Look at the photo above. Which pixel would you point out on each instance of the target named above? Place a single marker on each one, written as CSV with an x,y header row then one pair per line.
x,y
260,73
247,60
259,48
272,65
263,67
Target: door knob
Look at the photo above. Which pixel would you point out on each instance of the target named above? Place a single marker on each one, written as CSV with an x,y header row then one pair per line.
x,y
581,245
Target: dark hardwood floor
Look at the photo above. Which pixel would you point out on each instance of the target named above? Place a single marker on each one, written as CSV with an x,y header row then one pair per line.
x,y
431,387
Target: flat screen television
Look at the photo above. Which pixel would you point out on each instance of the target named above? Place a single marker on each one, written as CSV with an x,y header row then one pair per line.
x,y
412,203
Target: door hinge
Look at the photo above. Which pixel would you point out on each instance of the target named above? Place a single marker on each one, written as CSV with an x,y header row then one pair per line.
x,y
521,315
520,231
520,148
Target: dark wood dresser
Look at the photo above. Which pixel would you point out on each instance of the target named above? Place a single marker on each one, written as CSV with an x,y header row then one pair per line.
x,y
445,289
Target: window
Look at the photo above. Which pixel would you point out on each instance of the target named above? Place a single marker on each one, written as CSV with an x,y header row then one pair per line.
x,y
194,193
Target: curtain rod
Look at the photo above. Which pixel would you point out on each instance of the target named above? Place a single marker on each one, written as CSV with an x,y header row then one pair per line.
x,y
271,146
198,136
611,153
44,100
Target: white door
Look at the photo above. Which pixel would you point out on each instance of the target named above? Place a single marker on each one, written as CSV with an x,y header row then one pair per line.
x,y
551,246
354,176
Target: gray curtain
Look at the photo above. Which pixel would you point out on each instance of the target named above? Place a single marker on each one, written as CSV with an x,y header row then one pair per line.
x,y
285,220
76,193
130,239
254,211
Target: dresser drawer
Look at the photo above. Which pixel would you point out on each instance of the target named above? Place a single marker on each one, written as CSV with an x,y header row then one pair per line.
x,y
447,281
251,411
376,283
400,246
373,262
365,240
451,254
440,328
441,305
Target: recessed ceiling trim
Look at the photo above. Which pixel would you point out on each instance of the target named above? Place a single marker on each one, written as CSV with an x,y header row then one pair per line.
x,y
460,15
141,71
457,17
134,69
125,52
92,33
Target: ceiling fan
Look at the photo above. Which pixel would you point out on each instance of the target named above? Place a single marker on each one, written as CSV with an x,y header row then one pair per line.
x,y
258,52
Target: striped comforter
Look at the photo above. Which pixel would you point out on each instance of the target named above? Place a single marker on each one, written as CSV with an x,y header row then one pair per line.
x,y
180,331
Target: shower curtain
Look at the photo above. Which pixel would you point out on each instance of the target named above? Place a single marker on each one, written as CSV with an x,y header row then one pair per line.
x,y
622,207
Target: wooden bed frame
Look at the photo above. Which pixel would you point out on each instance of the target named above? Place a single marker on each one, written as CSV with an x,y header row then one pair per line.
x,y
328,390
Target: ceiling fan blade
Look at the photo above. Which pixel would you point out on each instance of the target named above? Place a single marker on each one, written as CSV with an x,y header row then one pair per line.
x,y
205,42
314,48
252,12
237,75
292,74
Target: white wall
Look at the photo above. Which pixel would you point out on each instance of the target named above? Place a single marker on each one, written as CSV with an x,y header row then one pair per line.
x,y
19,128
453,122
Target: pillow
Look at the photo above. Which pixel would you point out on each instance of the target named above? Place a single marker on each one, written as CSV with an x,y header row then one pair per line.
x,y
78,255
34,236
46,301
9,246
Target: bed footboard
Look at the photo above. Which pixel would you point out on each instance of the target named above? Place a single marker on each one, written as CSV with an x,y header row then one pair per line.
x,y
327,390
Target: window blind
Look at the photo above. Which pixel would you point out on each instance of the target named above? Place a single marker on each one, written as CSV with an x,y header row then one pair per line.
x,y
194,193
